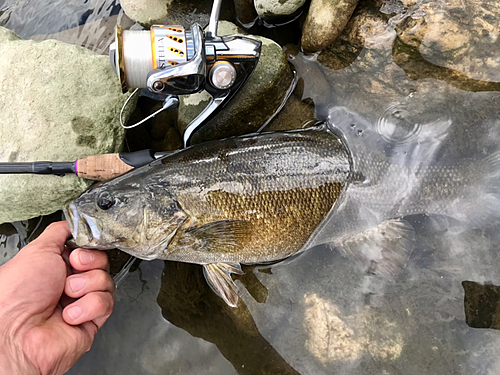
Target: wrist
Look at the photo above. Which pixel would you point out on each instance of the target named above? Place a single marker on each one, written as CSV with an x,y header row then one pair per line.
x,y
13,363
12,359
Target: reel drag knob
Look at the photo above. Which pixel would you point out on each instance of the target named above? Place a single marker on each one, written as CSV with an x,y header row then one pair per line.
x,y
222,75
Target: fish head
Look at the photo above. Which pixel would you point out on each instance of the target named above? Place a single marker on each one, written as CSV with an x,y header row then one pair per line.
x,y
128,217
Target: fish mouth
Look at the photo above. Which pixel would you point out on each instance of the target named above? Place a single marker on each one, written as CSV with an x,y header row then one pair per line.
x,y
68,211
85,229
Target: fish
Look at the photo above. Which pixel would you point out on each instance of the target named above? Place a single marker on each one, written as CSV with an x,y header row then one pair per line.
x,y
256,199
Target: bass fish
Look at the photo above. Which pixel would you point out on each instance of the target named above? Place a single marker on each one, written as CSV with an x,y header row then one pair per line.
x,y
244,200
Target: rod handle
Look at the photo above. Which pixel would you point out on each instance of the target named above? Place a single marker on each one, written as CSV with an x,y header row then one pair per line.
x,y
101,167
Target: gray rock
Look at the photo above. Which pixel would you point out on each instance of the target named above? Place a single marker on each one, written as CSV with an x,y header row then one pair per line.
x,y
325,21
277,8
60,104
259,98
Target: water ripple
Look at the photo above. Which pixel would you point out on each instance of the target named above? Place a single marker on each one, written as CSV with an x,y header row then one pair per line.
x,y
395,124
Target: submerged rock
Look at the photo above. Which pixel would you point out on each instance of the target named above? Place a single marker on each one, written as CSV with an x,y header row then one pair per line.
x,y
333,337
256,101
60,104
325,21
462,38
277,8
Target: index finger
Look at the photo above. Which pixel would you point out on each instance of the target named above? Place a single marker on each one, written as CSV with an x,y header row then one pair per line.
x,y
53,237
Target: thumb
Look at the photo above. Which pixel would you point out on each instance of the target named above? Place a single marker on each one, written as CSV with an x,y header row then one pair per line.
x,y
52,239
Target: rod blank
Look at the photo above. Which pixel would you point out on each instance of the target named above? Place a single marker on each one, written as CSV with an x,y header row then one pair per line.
x,y
38,167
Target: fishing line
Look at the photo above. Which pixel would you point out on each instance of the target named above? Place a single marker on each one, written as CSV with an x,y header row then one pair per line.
x,y
138,57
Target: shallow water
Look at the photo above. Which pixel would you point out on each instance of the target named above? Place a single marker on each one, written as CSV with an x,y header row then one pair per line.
x,y
320,312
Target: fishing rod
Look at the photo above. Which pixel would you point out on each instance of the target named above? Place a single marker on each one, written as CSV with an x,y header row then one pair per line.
x,y
95,167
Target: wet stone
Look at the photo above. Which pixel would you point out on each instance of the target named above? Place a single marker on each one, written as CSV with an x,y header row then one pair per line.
x,y
296,114
159,133
14,236
95,36
188,302
245,11
325,21
366,21
277,8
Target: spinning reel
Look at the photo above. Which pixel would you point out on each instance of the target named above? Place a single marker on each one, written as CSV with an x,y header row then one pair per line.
x,y
172,61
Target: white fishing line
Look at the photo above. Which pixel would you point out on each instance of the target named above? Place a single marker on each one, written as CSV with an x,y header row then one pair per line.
x,y
138,57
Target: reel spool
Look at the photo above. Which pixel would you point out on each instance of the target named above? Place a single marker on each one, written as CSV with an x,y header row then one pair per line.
x,y
137,53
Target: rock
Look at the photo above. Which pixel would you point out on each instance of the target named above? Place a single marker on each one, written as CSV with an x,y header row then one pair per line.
x,y
146,12
277,8
174,12
60,104
296,114
366,21
14,236
10,242
457,37
333,337
324,22
257,100
245,12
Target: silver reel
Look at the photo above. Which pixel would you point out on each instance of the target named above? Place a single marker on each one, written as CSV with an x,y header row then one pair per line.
x,y
172,61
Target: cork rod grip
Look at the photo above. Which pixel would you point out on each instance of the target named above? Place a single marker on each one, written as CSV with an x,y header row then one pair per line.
x,y
101,167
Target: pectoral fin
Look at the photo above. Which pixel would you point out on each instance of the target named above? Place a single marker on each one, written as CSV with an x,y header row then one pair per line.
x,y
225,236
218,276
383,250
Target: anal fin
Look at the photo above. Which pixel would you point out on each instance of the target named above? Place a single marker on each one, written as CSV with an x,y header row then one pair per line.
x,y
218,276
383,250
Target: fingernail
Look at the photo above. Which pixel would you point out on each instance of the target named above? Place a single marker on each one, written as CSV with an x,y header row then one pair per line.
x,y
85,257
74,312
76,283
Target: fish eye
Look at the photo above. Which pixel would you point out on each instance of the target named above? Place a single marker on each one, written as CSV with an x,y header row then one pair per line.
x,y
105,200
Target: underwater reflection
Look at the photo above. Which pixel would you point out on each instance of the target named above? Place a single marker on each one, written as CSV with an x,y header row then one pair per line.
x,y
187,302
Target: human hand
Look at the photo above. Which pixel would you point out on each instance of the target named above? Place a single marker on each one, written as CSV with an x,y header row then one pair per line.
x,y
52,302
